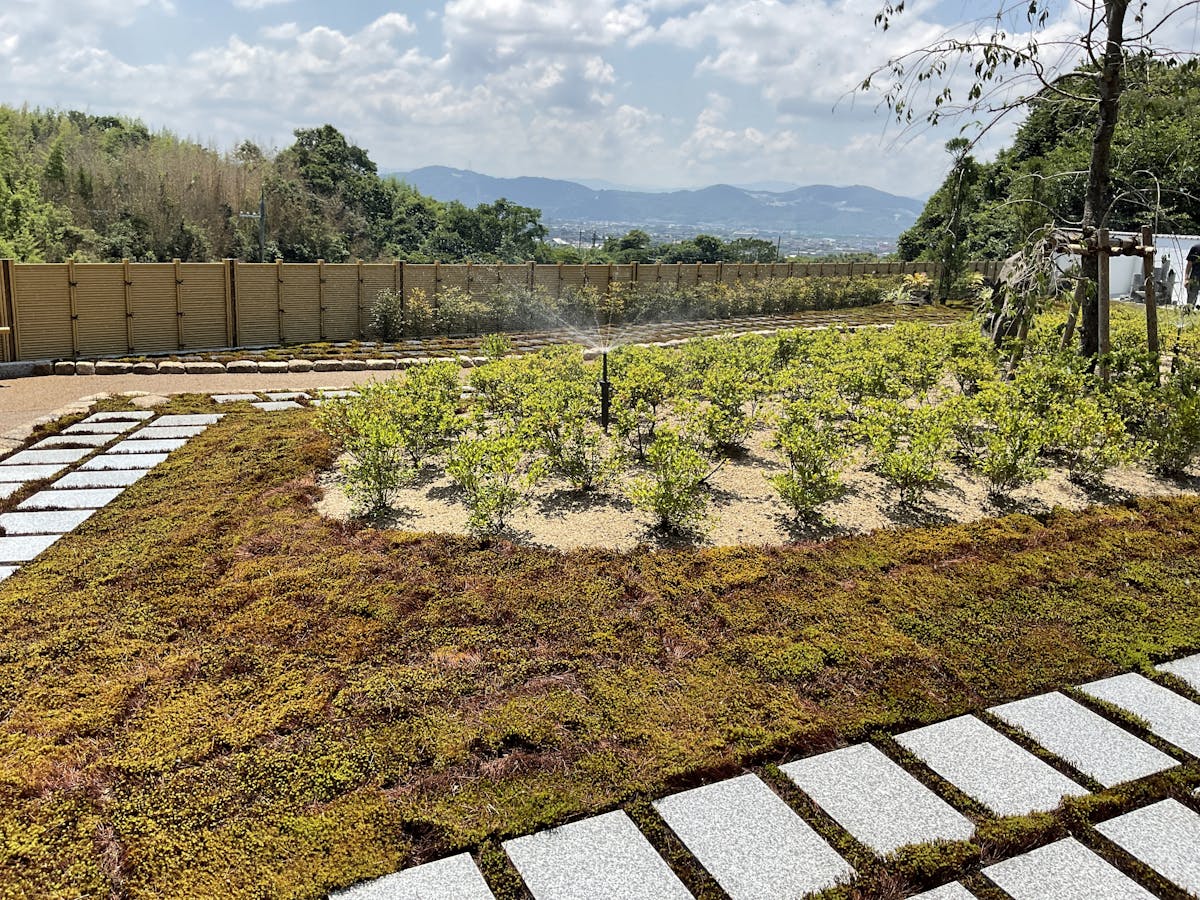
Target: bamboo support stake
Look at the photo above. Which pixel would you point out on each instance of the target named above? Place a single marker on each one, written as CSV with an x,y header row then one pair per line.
x,y
1073,314
1103,342
1151,301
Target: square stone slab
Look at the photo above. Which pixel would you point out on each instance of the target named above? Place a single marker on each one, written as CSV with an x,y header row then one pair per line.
x,y
234,398
135,415
876,800
1090,743
43,458
72,440
454,878
1171,717
187,420
24,548
287,395
952,891
1186,669
58,522
134,444
6,571
985,765
276,405
98,479
72,498
123,461
92,425
1165,836
7,489
1064,870
167,432
752,842
601,858
23,474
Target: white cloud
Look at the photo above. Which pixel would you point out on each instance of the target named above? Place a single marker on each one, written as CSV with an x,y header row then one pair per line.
x,y
258,4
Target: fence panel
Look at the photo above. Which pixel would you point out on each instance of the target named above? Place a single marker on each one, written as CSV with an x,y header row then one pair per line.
x,y
376,277
453,276
6,338
152,303
257,304
420,278
341,302
300,320
42,306
100,309
204,305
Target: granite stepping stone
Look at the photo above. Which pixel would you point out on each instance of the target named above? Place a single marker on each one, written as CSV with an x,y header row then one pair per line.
x,y
1170,716
167,432
98,426
72,498
123,461
174,421
43,458
1064,870
24,548
1089,742
952,891
22,474
1165,836
276,405
1186,669
234,398
99,479
7,489
134,444
339,393
72,440
287,395
987,766
601,858
6,571
875,800
57,522
133,415
454,878
752,842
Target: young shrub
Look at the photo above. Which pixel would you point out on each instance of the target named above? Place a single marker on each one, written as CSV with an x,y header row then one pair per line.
x,y
1090,437
495,346
1171,429
642,384
731,378
365,428
674,492
560,419
418,318
970,358
487,468
1011,439
426,410
387,315
814,450
909,446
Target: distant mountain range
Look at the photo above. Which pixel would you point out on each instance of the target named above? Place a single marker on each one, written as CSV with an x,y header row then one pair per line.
x,y
817,209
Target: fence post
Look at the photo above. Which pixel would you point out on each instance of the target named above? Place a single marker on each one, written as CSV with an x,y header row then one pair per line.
x,y
128,281
178,304
231,334
437,277
321,298
280,311
73,300
633,274
720,273
531,265
358,299
7,285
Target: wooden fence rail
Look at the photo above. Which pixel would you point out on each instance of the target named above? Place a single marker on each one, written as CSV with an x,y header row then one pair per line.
x,y
69,310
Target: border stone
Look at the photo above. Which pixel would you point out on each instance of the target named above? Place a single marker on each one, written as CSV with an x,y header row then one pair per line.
x,y
381,365
136,444
272,366
1165,836
25,547
64,367
56,522
1170,716
1064,870
185,420
752,842
276,405
204,368
299,365
234,398
987,766
111,367
601,858
105,462
327,365
85,367
453,878
29,472
171,367
105,478
876,800
952,891
149,401
241,365
72,498
354,365
1090,743
1186,669
43,458
145,368
91,441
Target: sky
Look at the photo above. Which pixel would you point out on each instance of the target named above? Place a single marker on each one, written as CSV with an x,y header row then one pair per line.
x,y
645,93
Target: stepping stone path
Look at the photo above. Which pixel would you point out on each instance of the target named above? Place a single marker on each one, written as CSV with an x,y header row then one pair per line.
x,y
1165,836
1168,715
453,878
1187,670
953,891
1064,870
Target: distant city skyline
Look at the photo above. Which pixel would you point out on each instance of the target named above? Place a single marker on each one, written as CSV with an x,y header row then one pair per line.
x,y
654,94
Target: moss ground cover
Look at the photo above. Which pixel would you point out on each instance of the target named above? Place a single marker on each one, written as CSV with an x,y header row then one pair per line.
x,y
209,690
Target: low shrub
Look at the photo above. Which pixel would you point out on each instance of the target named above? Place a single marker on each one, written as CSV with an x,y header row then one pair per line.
x,y
488,469
365,427
674,491
387,315
909,446
814,451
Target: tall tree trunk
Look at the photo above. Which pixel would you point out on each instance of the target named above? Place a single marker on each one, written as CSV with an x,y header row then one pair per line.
x,y
1099,186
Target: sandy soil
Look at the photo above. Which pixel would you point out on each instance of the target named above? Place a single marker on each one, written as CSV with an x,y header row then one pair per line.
x,y
744,507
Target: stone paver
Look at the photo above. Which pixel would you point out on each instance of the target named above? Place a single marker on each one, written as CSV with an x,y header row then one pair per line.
x,y
92,425
1064,870
952,891
72,440
1170,716
875,800
7,571
1187,669
72,498
99,479
124,461
454,878
174,421
339,393
24,548
1089,742
57,522
601,858
135,415
987,766
43,458
234,398
276,405
134,444
752,842
167,432
1165,836
7,489
287,395
21,474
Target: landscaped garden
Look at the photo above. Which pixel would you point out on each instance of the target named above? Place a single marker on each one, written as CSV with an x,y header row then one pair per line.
x,y
213,689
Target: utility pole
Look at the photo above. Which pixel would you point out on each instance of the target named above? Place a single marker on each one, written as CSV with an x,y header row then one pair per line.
x,y
261,215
